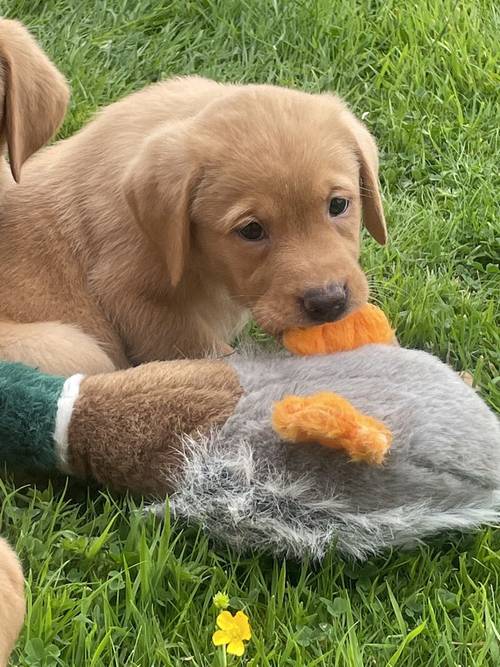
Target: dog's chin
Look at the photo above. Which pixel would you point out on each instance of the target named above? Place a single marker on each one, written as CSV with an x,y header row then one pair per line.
x,y
275,326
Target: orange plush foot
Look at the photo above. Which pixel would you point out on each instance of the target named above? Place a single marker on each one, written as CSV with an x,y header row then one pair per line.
x,y
330,420
365,325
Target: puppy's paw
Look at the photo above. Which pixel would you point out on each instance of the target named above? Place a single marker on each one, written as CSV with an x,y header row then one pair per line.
x,y
467,378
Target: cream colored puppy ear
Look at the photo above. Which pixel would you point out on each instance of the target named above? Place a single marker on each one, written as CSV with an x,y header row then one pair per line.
x,y
373,210
366,148
33,95
159,187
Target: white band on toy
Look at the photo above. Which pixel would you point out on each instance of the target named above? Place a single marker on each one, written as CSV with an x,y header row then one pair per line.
x,y
65,404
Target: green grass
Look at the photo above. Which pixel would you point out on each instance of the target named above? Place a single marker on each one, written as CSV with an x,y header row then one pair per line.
x,y
107,588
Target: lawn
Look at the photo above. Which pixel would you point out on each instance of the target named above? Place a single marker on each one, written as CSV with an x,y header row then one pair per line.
x,y
107,588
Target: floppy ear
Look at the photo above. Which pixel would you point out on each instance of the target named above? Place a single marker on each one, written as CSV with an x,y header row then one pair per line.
x,y
33,94
373,211
159,187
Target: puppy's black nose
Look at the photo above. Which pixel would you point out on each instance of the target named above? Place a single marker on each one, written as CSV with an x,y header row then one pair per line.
x,y
325,304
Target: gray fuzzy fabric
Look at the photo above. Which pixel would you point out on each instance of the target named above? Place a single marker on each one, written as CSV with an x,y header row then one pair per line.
x,y
249,489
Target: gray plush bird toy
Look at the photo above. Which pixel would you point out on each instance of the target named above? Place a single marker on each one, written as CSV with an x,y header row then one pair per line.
x,y
366,448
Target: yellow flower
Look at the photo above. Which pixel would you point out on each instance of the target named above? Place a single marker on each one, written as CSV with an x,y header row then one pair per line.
x,y
221,600
233,631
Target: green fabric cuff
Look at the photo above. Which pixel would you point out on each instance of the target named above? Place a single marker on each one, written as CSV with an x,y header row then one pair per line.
x,y
28,408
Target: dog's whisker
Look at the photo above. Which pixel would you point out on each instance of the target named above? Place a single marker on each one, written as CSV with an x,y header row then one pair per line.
x,y
372,271
386,289
379,289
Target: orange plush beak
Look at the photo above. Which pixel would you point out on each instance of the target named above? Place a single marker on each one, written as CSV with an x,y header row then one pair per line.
x,y
365,325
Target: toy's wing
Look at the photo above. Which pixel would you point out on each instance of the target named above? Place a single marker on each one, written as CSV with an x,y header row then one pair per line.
x,y
328,419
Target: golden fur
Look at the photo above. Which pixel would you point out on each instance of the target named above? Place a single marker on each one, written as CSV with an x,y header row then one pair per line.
x,y
120,243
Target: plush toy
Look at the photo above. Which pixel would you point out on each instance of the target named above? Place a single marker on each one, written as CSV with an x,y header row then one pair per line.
x,y
246,462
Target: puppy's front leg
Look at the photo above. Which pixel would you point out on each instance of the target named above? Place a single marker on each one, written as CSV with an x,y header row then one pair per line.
x,y
125,427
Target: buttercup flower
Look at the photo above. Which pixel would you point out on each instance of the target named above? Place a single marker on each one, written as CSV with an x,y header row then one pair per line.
x,y
221,600
234,630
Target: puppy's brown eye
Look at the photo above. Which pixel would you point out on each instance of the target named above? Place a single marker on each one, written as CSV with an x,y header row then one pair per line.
x,y
338,205
252,232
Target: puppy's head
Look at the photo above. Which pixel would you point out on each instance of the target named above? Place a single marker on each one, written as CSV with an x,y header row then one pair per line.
x,y
266,189
33,95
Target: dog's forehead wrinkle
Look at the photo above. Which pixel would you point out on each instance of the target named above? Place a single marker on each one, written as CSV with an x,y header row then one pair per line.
x,y
288,124
264,194
265,177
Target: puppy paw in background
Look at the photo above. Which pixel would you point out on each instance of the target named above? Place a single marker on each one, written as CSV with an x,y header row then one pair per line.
x,y
467,378
12,605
